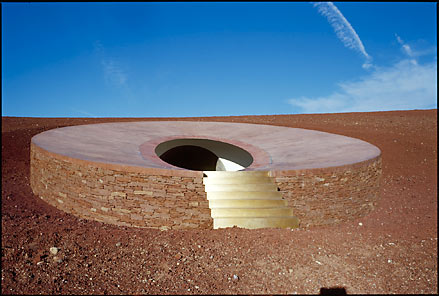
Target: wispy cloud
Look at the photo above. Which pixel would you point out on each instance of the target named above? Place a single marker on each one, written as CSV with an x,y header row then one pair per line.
x,y
407,49
414,53
403,86
113,71
343,29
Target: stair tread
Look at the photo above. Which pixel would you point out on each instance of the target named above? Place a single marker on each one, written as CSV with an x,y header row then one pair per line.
x,y
257,222
248,208
256,199
242,191
258,217
250,189
236,183
244,195
243,184
246,203
224,173
238,180
244,199
251,212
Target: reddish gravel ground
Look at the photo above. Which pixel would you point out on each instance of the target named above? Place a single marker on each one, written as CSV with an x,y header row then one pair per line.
x,y
392,250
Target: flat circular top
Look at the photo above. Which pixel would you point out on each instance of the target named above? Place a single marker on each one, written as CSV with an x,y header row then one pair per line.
x,y
272,147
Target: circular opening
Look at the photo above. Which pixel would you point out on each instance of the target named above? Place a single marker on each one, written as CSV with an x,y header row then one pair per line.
x,y
203,155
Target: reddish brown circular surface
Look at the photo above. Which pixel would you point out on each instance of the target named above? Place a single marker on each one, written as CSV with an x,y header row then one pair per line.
x,y
286,148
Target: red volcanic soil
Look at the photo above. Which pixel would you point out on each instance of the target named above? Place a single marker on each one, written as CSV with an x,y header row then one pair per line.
x,y
392,250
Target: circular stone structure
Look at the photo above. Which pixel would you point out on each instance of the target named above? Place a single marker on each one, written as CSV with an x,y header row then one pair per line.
x,y
113,172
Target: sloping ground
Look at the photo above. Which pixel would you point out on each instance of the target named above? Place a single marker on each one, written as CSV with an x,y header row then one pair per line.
x,y
392,250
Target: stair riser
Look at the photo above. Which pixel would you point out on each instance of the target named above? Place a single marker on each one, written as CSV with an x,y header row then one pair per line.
x,y
239,180
236,174
224,203
241,187
251,213
275,195
254,223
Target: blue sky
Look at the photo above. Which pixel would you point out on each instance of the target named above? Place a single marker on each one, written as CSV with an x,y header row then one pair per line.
x,y
216,59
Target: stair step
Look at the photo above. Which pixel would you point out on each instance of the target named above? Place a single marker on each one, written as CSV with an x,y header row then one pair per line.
x,y
247,203
272,195
247,199
238,180
257,222
222,174
240,187
250,213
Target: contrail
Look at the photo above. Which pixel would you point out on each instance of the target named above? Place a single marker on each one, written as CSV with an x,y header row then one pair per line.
x,y
343,29
84,112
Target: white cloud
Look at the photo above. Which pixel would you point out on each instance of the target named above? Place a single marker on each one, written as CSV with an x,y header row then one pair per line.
x,y
113,71
403,86
407,49
415,53
343,29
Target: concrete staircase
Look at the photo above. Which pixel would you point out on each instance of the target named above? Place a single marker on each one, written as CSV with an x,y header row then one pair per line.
x,y
247,199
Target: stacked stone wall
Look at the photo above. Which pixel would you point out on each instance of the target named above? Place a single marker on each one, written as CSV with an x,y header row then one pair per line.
x,y
127,196
176,199
331,195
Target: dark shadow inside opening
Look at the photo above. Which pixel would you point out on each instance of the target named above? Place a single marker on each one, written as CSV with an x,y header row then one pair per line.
x,y
191,157
333,291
